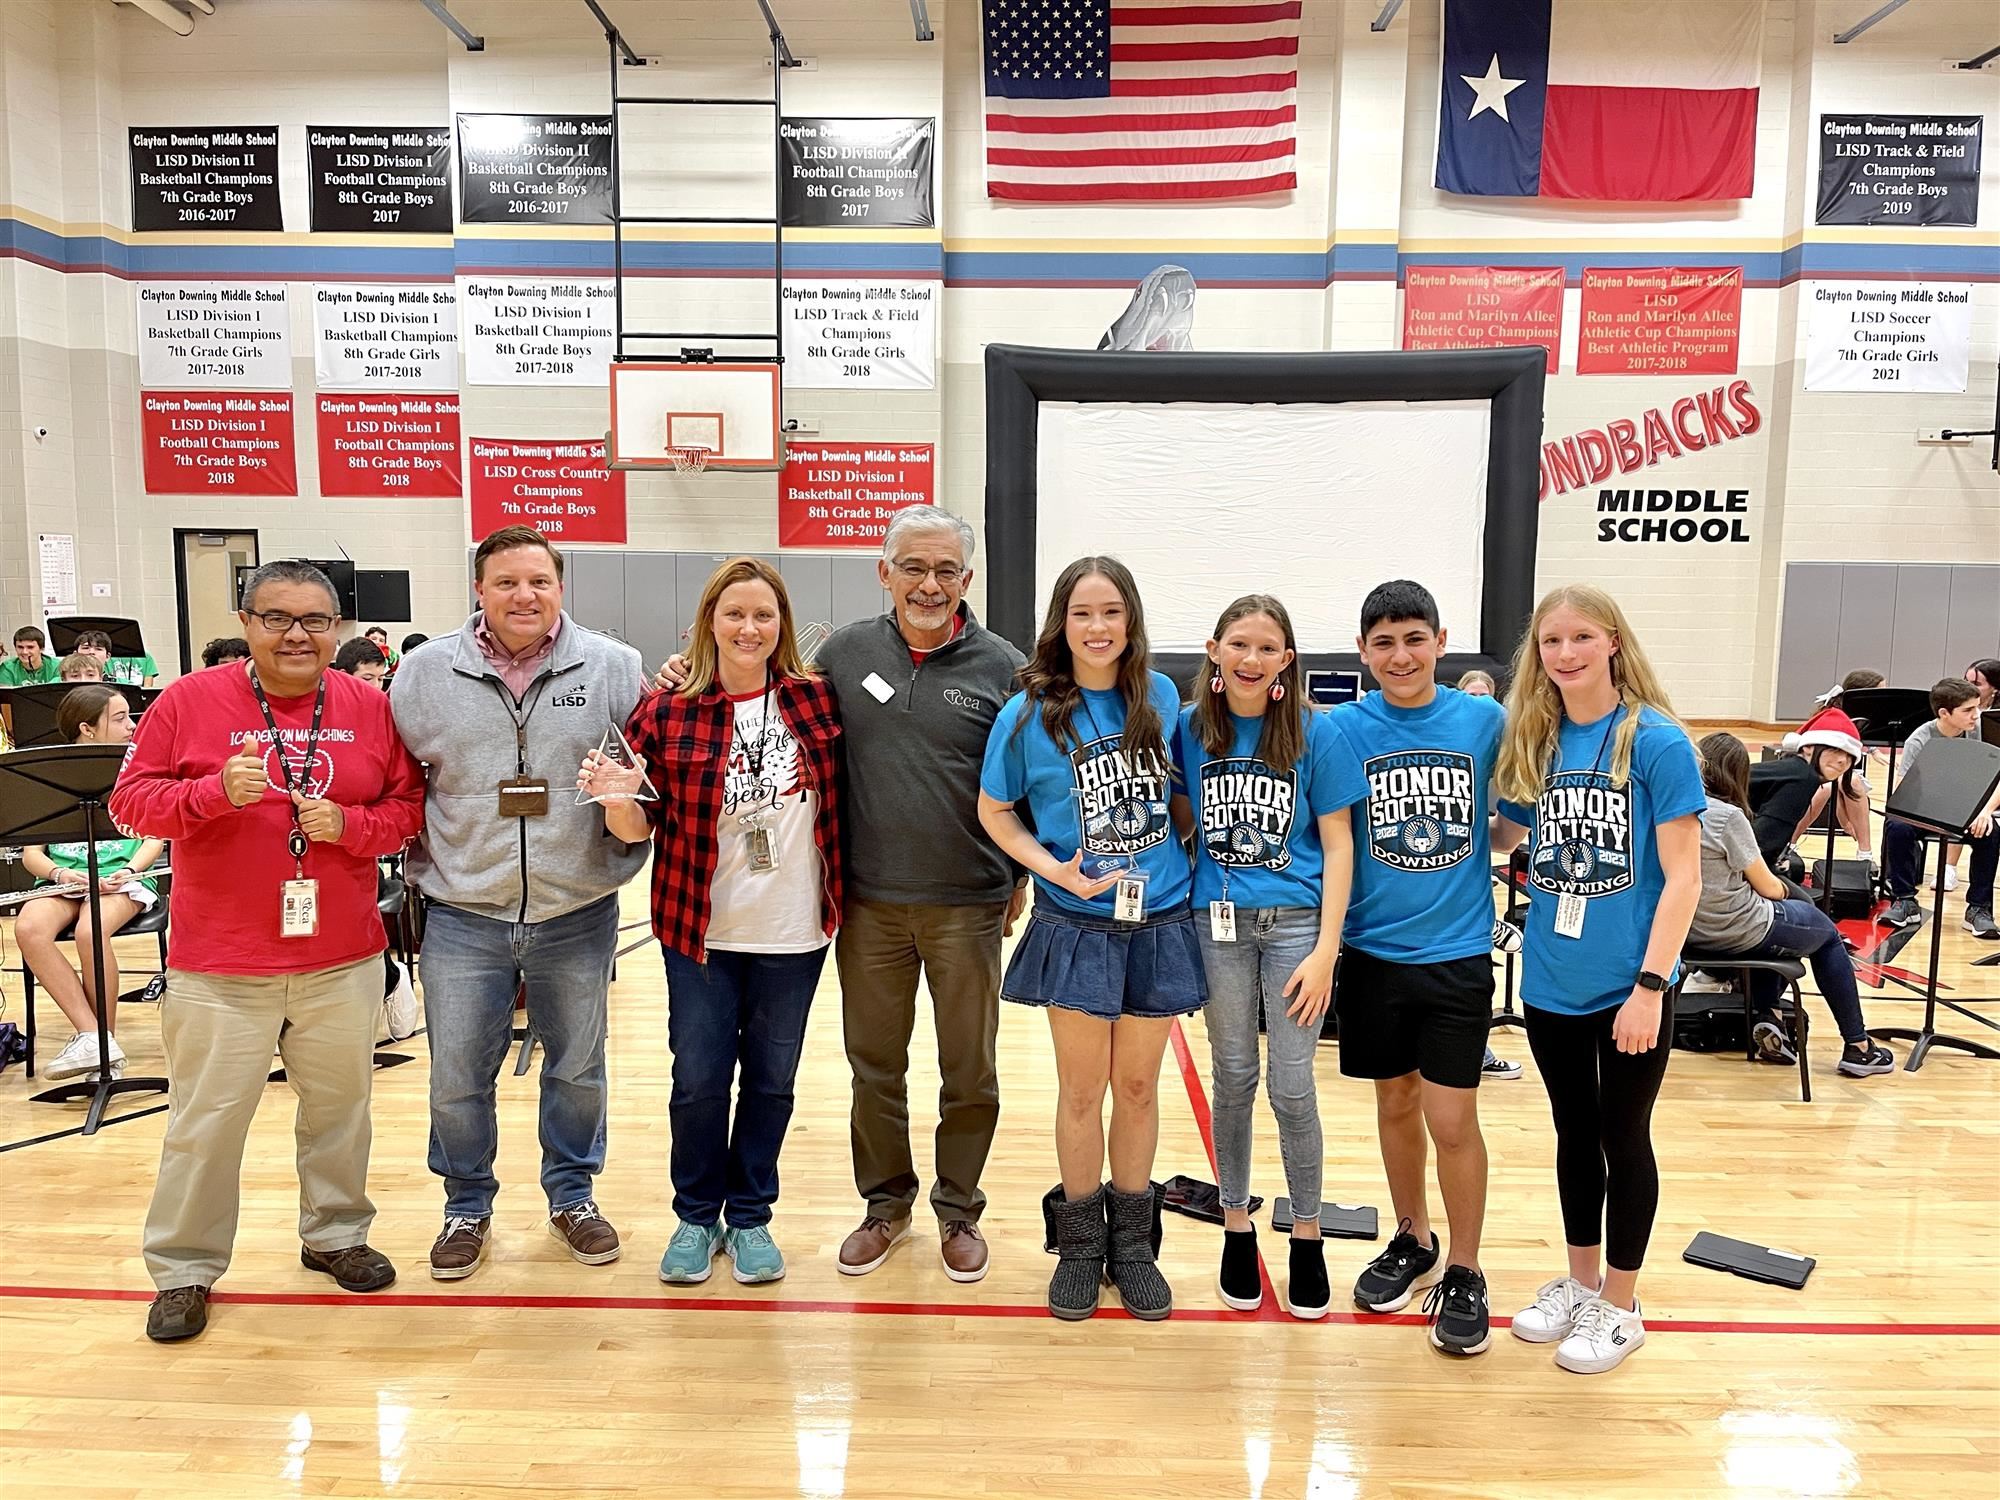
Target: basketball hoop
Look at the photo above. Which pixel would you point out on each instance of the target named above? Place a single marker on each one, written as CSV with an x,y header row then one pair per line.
x,y
688,460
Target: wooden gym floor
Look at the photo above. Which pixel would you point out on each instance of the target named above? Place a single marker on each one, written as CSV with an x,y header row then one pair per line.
x,y
1881,1377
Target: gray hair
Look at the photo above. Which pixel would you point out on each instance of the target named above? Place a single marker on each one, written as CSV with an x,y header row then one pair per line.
x,y
291,571
926,518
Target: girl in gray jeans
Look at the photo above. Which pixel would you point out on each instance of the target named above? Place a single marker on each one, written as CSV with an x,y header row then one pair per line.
x,y
1269,783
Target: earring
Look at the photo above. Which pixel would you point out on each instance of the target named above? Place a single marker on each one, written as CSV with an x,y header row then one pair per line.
x,y
1215,682
1277,692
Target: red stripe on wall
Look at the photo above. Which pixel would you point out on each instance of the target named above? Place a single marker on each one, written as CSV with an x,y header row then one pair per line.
x,y
1648,145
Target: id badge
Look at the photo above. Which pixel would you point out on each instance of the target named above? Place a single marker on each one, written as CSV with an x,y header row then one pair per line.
x,y
300,916
763,843
1222,921
1129,905
1569,916
523,797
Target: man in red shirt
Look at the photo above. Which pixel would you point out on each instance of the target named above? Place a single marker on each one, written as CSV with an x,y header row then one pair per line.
x,y
280,784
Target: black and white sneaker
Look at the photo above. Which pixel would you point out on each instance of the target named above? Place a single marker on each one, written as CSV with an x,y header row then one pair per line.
x,y
1498,1067
1239,1281
1903,912
1456,1307
1307,1294
1979,922
1865,1059
1391,1277
1772,1045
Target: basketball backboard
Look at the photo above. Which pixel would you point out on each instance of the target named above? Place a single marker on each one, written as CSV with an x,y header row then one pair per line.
x,y
731,411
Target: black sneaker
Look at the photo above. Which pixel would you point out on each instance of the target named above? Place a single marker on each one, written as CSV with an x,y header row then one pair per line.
x,y
1772,1045
1979,922
1903,912
1391,1276
1865,1059
1239,1280
1307,1294
1457,1310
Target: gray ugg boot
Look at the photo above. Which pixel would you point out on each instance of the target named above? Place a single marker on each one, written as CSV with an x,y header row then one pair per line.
x,y
1132,1261
1079,1236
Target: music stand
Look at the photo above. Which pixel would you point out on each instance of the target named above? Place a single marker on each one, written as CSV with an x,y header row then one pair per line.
x,y
126,639
1887,717
1516,870
32,708
57,795
1942,794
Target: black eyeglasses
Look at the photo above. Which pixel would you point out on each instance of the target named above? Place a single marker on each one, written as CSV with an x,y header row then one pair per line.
x,y
279,623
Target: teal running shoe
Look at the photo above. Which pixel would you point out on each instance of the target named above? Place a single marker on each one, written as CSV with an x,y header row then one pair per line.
x,y
755,1253
689,1252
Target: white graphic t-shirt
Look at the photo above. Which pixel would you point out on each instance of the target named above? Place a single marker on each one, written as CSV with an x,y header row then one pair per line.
x,y
765,911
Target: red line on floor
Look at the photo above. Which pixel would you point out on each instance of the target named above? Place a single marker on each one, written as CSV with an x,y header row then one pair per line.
x,y
1204,1121
665,1303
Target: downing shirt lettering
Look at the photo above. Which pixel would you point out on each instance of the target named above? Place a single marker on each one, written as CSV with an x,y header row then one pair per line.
x,y
1420,808
1583,836
1246,813
1121,808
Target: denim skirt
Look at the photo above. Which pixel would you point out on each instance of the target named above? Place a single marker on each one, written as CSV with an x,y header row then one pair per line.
x,y
1107,968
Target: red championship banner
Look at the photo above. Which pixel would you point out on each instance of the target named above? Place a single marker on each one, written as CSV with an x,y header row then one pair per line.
x,y
206,442
1483,307
371,446
560,487
1660,320
844,494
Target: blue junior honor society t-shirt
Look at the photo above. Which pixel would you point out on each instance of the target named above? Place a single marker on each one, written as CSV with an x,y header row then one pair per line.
x,y
1423,882
1257,842
1595,841
1090,795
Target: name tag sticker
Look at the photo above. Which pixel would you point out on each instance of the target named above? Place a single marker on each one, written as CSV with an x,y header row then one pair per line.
x,y
877,688
1569,916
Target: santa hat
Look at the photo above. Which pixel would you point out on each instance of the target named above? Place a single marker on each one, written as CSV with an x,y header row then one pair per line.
x,y
1831,728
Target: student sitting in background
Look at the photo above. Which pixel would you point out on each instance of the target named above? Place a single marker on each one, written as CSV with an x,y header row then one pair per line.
x,y
31,663
80,666
1786,793
362,658
225,648
1478,684
379,634
1747,911
131,671
1955,702
87,716
1984,676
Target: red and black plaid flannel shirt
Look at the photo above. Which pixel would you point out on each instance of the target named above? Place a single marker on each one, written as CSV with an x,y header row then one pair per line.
x,y
685,744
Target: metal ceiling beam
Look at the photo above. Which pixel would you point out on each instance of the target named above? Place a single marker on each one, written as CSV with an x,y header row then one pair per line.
x,y
1389,9
613,35
920,18
1974,64
778,43
1881,13
455,26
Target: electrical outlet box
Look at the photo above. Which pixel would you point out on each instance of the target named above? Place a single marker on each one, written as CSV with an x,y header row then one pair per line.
x,y
1936,435
801,426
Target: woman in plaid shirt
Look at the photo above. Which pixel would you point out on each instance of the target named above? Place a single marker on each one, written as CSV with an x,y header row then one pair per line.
x,y
746,897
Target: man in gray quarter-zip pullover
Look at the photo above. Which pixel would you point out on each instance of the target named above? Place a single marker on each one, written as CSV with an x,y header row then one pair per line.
x,y
927,892
522,885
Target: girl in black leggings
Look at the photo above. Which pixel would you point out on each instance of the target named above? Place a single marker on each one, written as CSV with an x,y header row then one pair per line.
x,y
1608,785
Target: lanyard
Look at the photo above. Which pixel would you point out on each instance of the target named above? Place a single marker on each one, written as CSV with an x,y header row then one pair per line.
x,y
512,705
296,840
1090,713
1597,763
761,737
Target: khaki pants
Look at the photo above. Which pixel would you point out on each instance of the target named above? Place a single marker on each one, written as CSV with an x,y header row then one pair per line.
x,y
880,950
219,1031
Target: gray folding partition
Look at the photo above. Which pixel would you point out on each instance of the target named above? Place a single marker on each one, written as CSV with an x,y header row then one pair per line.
x,y
649,598
1913,622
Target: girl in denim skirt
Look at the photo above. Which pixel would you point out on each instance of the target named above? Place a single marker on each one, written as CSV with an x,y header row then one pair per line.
x,y
1269,784
1110,951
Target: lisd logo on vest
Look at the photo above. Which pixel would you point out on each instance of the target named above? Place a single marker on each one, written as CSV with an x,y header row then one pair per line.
x,y
1420,805
1246,812
1583,835
1121,807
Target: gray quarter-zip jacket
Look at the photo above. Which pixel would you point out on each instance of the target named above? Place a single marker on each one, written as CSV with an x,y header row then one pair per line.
x,y
458,718
912,812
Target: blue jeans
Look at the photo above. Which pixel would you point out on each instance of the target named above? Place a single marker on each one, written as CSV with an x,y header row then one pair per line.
x,y
472,968
1903,862
739,1010
1801,930
1270,943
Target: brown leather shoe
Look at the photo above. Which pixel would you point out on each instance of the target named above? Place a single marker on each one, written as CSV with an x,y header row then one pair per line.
x,y
586,1232
180,1312
357,1268
870,1244
458,1250
963,1250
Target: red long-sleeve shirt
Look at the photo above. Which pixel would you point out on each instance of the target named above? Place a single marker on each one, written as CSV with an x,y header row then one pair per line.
x,y
231,863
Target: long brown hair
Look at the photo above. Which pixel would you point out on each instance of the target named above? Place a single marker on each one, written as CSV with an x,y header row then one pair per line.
x,y
1049,678
1282,740
1535,706
785,660
1725,770
83,705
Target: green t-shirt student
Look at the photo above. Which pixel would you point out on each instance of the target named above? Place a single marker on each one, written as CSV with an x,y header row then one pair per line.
x,y
130,671
14,672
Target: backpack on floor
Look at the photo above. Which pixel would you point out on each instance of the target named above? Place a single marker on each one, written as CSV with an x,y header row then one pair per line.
x,y
1717,1027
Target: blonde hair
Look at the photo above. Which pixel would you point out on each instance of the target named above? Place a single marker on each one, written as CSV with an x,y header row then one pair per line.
x,y
1535,706
785,660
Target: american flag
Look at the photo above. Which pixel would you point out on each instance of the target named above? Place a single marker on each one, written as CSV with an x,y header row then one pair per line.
x,y
1087,100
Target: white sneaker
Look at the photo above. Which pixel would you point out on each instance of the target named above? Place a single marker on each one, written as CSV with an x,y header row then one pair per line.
x,y
117,1072
1603,1336
80,1056
401,1014
1948,874
1555,1311
1701,983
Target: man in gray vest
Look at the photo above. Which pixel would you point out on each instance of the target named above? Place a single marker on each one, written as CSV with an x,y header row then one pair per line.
x,y
927,892
522,884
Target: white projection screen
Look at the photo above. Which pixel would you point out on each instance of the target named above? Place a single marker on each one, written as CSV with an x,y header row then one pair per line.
x,y
1315,502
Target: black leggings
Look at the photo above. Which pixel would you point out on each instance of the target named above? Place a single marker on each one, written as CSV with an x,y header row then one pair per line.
x,y
1602,1101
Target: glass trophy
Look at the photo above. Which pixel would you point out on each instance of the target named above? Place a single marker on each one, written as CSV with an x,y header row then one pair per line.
x,y
620,775
1124,820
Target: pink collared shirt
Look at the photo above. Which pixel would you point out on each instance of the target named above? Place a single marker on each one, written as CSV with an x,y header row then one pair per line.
x,y
516,670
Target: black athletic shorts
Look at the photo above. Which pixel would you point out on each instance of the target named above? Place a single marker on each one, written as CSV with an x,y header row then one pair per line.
x,y
1431,1019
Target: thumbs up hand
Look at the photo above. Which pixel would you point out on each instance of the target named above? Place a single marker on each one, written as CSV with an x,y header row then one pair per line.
x,y
243,778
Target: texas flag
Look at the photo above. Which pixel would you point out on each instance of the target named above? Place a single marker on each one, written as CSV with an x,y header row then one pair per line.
x,y
1623,101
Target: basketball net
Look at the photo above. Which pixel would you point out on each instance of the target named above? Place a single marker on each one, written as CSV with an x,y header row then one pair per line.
x,y
688,460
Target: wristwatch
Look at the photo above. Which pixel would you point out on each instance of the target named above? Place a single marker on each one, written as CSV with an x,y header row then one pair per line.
x,y
1648,980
